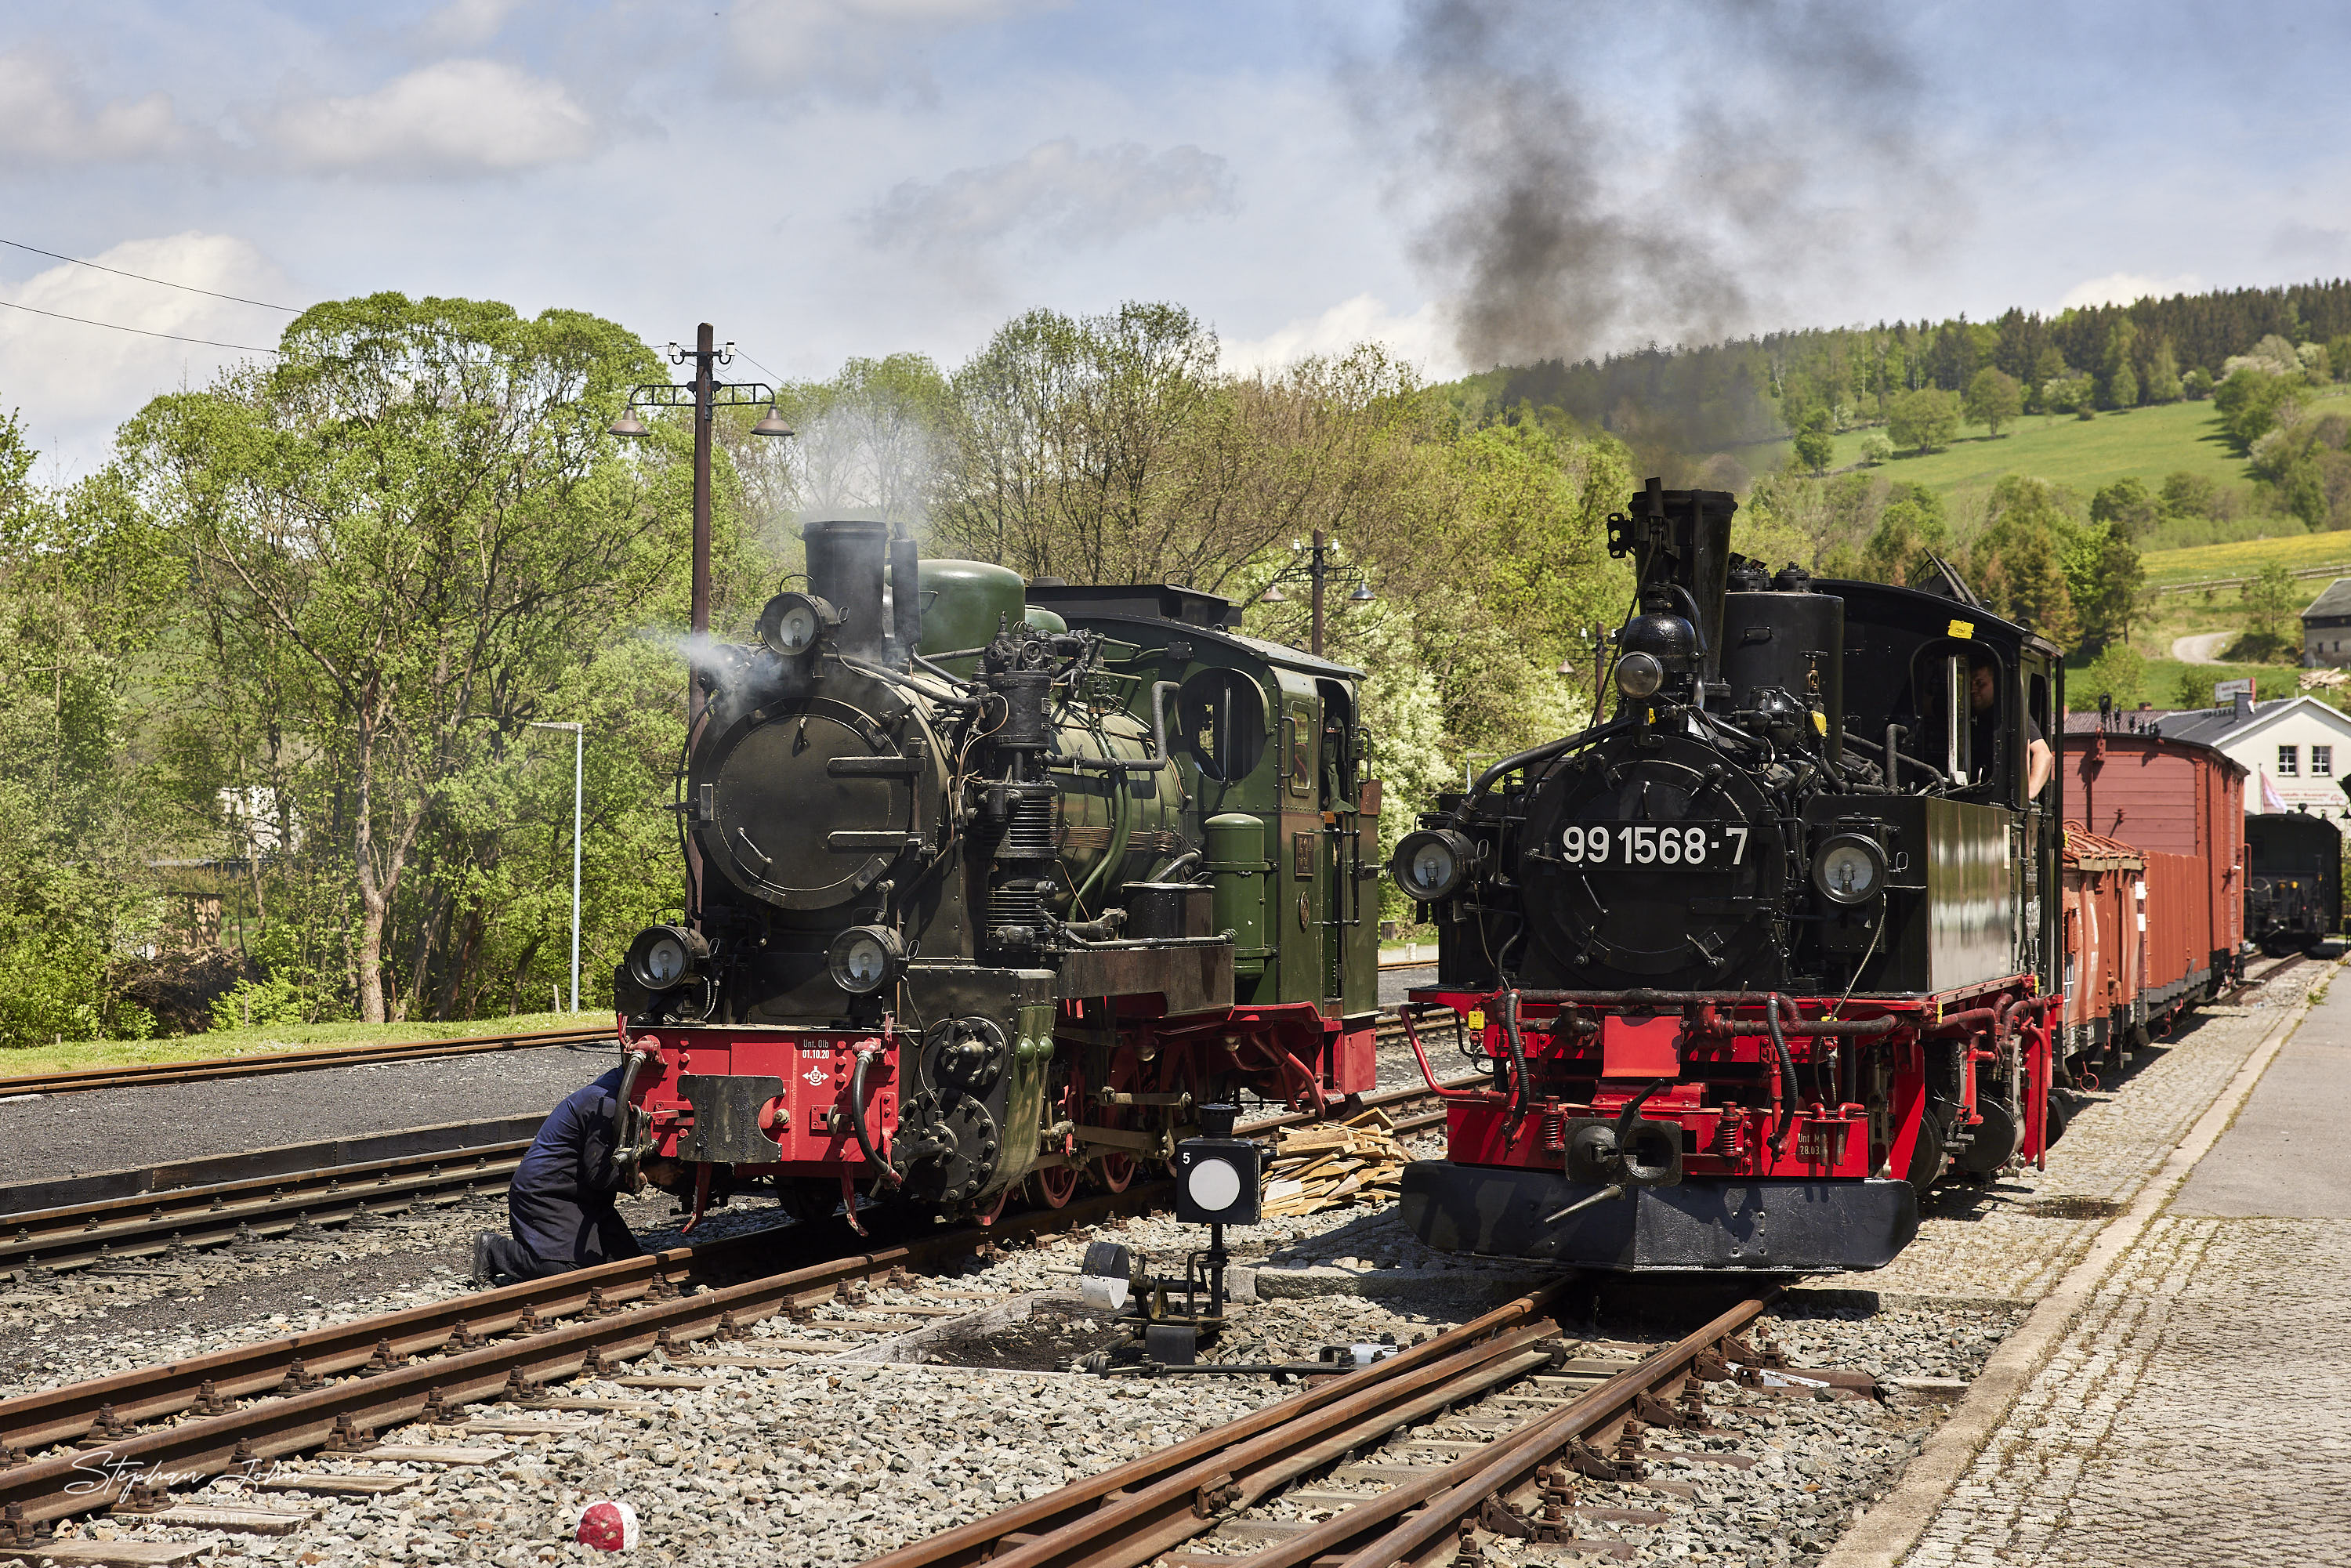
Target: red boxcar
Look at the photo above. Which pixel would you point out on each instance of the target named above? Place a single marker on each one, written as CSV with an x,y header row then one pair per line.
x,y
2106,941
2181,804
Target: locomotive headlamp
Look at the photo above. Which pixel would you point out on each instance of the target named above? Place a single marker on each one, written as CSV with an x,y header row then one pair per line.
x,y
1639,675
1433,864
793,621
864,958
663,956
1849,869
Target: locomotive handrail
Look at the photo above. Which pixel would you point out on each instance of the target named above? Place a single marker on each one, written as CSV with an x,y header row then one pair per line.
x,y
1428,1074
1549,748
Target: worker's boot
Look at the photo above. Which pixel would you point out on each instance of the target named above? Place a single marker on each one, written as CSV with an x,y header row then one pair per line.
x,y
485,1271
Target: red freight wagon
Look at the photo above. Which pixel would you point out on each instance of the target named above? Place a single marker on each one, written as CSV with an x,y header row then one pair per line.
x,y
2181,804
2104,943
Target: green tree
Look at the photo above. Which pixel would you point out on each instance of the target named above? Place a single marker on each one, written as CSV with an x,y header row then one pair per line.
x,y
2162,373
2103,576
1924,421
2186,495
2019,562
2338,357
2127,506
1912,524
2251,404
399,538
2119,672
2271,599
1993,399
2117,381
2048,367
1814,446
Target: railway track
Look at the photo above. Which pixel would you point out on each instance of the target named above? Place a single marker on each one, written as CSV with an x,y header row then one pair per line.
x,y
237,1207
292,1061
1525,1417
334,1387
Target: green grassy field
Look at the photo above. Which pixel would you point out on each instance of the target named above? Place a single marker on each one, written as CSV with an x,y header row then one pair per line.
x,y
79,1053
2146,443
2087,454
2249,556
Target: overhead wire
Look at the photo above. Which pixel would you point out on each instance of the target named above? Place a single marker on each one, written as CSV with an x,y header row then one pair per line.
x,y
143,277
118,327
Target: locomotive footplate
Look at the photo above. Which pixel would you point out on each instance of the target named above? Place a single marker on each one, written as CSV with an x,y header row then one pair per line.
x,y
1758,1226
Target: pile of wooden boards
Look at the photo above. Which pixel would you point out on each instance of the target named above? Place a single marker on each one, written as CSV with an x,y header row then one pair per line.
x,y
1334,1165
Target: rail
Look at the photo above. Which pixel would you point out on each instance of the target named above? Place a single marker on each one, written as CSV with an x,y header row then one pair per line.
x,y
293,1061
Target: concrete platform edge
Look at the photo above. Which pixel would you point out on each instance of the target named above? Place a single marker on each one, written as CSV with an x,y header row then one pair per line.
x,y
1884,1535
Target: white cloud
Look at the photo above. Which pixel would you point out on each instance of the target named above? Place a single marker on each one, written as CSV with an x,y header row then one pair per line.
x,y
1424,337
75,383
2126,287
43,119
1067,193
457,116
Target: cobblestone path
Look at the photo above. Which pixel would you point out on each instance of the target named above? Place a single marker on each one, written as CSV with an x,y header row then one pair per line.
x,y
2193,1413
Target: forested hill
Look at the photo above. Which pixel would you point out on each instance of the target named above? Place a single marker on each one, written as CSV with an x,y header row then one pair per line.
x,y
1721,396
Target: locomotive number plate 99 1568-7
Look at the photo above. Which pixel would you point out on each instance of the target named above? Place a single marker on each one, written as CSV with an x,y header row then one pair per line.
x,y
1700,846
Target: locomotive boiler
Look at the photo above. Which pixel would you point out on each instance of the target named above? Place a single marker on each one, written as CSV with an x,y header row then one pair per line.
x,y
993,884
1754,961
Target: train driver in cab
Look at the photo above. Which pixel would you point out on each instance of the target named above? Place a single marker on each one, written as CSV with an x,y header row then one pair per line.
x,y
1983,698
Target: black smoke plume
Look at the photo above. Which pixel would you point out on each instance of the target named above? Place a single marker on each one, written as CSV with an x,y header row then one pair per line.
x,y
1587,176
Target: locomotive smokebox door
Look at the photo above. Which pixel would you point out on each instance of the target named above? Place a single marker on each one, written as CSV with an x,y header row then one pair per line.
x,y
1217,1177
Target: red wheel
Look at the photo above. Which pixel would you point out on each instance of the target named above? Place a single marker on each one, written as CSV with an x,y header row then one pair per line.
x,y
1115,1172
1056,1185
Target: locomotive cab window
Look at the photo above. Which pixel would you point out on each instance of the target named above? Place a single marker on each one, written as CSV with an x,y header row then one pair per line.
x,y
1338,753
1223,718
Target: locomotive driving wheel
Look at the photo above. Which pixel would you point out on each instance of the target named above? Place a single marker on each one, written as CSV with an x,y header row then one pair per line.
x,y
1056,1185
1115,1172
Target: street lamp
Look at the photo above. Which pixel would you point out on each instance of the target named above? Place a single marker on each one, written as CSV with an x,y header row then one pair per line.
x,y
706,393
578,746
1314,565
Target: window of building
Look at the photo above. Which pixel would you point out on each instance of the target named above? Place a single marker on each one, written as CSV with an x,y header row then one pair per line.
x,y
2289,761
2321,762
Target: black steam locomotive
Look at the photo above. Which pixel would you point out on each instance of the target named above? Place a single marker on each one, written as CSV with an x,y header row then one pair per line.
x,y
1757,959
2293,883
994,885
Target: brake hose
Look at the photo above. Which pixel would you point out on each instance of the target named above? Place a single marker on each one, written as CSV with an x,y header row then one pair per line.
x,y
623,1153
1787,1072
1511,1038
883,1174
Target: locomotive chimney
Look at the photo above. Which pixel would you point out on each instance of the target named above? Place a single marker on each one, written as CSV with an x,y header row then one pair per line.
x,y
1680,542
905,600
844,564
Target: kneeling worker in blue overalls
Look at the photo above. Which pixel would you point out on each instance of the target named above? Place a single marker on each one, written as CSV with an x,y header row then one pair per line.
x,y
561,1207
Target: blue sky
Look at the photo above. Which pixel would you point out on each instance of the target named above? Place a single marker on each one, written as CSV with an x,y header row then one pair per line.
x,y
824,178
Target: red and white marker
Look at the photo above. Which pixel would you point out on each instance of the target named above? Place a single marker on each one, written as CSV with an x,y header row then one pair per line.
x,y
608,1526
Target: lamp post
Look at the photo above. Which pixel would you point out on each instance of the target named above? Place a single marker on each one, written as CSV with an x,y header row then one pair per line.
x,y
705,394
1315,566
579,748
